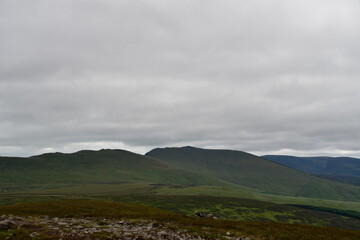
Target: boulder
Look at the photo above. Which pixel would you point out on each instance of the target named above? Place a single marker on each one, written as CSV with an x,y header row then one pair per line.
x,y
7,224
204,215
199,214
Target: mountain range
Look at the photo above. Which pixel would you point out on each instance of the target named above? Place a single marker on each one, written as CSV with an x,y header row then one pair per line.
x,y
342,169
185,166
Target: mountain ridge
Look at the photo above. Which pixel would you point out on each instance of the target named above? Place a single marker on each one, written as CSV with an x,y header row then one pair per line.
x,y
346,166
340,169
196,167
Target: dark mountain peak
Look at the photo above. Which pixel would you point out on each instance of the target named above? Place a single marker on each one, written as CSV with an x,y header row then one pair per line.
x,y
47,155
189,147
195,151
167,149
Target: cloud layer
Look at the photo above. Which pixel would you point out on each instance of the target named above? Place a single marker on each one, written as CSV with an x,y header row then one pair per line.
x,y
259,76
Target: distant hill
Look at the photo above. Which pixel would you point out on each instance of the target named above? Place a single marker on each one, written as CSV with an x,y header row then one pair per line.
x,y
343,169
104,166
254,172
342,166
185,166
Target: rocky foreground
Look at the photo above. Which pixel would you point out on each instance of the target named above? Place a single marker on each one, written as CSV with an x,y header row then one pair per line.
x,y
96,228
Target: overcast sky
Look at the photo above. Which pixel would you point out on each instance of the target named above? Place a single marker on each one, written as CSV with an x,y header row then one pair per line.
x,y
266,77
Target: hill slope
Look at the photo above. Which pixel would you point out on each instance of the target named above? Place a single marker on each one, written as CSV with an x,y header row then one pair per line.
x,y
343,166
104,166
342,169
251,171
184,166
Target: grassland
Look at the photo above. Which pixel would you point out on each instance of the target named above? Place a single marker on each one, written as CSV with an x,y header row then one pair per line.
x,y
185,200
243,209
207,228
98,190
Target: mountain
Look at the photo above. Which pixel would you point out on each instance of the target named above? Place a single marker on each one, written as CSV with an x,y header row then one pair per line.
x,y
187,166
83,167
343,169
248,170
343,166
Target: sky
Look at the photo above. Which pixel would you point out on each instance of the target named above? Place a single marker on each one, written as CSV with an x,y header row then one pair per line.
x,y
266,77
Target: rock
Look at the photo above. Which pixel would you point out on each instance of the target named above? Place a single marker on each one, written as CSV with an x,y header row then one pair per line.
x,y
7,224
199,214
153,225
34,234
83,228
210,215
139,238
18,218
162,234
204,215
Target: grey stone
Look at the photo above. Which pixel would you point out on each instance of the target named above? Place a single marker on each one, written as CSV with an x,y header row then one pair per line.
x,y
34,234
7,224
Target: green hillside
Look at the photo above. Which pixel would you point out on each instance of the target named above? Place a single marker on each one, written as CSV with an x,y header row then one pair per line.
x,y
186,166
104,166
254,172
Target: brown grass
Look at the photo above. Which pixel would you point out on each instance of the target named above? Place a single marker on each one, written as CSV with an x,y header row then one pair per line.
x,y
204,227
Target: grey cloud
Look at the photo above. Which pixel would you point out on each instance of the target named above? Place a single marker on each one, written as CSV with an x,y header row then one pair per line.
x,y
259,76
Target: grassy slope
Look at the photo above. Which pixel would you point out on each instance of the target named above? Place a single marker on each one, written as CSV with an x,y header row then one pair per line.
x,y
227,192
352,180
106,166
98,190
254,172
205,227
